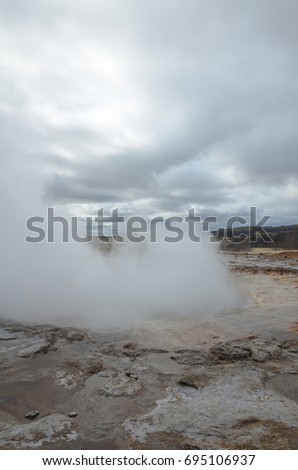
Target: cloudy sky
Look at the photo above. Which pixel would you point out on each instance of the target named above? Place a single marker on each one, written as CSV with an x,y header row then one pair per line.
x,y
152,106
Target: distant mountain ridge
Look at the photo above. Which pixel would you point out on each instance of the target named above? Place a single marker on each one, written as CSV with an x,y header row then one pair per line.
x,y
284,237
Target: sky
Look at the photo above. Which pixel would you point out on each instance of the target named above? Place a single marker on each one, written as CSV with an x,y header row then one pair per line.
x,y
153,107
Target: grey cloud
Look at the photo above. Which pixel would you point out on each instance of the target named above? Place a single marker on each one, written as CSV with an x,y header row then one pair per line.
x,y
171,102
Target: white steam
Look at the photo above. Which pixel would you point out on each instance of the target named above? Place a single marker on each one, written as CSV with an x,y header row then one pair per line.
x,y
74,284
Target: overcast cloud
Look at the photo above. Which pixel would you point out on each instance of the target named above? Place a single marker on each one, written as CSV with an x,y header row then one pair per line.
x,y
152,106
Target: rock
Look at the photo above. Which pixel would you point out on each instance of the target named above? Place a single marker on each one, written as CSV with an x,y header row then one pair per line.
x,y
187,382
233,352
119,348
233,410
55,334
93,366
260,356
130,346
199,379
132,375
192,357
73,373
50,429
262,352
32,414
76,336
73,414
122,386
130,350
37,348
6,335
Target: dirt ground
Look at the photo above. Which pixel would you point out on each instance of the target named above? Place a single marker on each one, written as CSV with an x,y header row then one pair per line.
x,y
226,381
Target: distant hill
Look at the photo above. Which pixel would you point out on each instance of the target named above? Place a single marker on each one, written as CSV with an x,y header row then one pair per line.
x,y
284,237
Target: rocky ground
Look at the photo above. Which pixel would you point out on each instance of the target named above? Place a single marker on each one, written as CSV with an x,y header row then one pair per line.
x,y
226,381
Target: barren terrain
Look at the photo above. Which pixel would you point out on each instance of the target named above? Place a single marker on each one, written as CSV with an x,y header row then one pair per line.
x,y
222,381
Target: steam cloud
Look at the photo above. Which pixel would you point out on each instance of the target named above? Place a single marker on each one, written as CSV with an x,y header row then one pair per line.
x,y
72,284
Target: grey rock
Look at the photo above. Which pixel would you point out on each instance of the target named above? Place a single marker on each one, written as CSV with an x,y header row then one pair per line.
x,y
233,408
37,348
6,335
122,386
262,352
49,429
73,373
132,375
260,356
192,357
32,414
228,351
76,336
187,382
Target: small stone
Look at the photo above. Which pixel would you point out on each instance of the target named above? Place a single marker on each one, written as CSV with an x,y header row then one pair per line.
x,y
73,414
185,382
32,414
131,375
